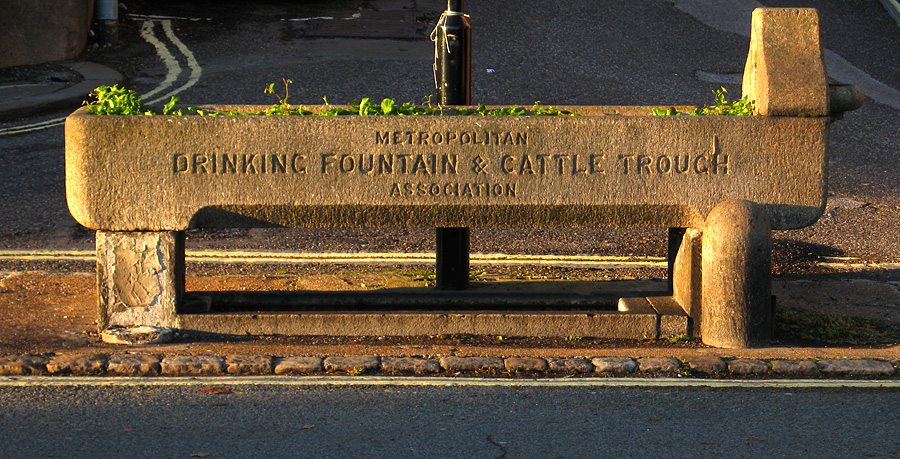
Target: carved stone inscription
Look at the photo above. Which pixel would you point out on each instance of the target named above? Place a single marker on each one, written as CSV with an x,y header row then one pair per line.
x,y
463,164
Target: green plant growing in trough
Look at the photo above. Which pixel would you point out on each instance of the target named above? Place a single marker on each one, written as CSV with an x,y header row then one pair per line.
x,y
721,106
113,100
120,101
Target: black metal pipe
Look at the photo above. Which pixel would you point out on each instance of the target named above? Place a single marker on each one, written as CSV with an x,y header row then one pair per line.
x,y
453,61
453,77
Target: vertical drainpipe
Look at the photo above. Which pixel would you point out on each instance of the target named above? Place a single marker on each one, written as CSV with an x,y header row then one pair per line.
x,y
108,17
453,79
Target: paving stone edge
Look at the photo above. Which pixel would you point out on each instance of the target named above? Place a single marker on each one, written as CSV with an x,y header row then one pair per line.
x,y
148,365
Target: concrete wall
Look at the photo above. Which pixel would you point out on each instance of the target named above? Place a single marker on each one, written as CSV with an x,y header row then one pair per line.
x,y
38,31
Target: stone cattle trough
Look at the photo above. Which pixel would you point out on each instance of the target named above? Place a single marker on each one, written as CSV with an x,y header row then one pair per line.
x,y
721,184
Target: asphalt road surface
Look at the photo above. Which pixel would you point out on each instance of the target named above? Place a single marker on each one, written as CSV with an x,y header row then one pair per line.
x,y
216,418
648,52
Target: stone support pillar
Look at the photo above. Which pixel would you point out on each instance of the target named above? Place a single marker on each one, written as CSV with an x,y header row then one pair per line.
x,y
685,275
140,277
736,276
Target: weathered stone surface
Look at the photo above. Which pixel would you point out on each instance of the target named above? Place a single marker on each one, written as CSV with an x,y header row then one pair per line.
x,y
18,365
785,70
248,364
863,367
525,364
31,36
77,364
673,319
737,280
410,365
661,364
570,365
748,366
140,277
353,363
793,367
299,364
614,364
137,335
144,173
706,364
134,365
192,365
606,324
686,276
454,363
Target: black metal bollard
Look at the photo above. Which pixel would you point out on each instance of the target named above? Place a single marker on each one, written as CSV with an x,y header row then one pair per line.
x,y
453,77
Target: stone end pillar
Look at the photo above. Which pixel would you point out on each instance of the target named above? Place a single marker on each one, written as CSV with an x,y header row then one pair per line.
x,y
785,71
140,278
737,279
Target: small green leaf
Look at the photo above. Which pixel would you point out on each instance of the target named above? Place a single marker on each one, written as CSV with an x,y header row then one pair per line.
x,y
387,106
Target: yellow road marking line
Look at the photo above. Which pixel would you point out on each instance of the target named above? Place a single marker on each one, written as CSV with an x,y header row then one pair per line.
x,y
31,381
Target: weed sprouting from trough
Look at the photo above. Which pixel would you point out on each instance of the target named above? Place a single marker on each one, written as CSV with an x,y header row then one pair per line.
x,y
114,100
721,106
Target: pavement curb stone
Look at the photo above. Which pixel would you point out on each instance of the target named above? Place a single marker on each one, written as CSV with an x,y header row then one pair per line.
x,y
575,365
298,365
77,364
513,364
22,365
805,367
616,365
352,363
748,366
146,365
454,363
193,365
248,364
417,365
708,364
866,367
134,365
654,364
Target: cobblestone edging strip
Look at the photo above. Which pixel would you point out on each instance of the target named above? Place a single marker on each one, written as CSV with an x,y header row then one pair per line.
x,y
124,364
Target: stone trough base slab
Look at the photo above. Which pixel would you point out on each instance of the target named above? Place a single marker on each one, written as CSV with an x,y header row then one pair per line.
x,y
614,325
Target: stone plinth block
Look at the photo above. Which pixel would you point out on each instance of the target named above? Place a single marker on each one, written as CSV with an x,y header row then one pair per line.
x,y
785,70
610,166
736,279
142,335
601,323
140,277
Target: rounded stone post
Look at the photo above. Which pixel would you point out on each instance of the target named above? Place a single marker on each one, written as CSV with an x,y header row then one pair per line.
x,y
737,280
